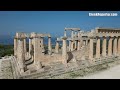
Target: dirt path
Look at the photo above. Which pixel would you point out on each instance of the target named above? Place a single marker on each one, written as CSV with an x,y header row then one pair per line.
x,y
111,73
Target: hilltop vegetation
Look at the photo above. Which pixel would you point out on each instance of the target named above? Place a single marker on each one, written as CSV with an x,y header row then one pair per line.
x,y
6,50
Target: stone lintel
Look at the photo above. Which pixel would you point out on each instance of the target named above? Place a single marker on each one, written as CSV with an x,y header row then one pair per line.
x,y
75,29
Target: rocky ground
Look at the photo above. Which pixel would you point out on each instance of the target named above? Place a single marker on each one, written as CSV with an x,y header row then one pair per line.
x,y
111,73
6,69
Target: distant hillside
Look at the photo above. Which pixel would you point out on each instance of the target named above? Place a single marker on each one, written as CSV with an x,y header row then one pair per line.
x,y
6,39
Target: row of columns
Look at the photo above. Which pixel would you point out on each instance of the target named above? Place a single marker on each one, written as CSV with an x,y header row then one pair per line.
x,y
20,50
115,45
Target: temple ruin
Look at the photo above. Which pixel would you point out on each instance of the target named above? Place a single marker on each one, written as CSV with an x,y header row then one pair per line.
x,y
96,45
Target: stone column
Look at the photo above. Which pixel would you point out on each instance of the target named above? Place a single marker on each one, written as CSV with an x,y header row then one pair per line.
x,y
72,34
69,45
104,47
115,46
118,45
78,47
49,46
75,44
21,55
65,33
25,50
72,43
15,46
42,44
30,46
57,47
64,51
91,48
36,54
75,33
110,46
86,42
78,33
98,48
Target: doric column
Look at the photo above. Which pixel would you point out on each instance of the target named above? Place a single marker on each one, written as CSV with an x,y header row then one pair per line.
x,y
30,46
69,45
118,45
65,33
36,54
110,46
86,42
104,47
78,47
115,46
91,48
64,51
42,44
57,47
25,50
98,48
75,33
49,46
72,34
75,44
21,55
78,33
72,43
15,46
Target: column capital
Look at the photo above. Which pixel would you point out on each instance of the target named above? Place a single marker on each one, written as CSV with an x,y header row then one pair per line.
x,y
49,36
104,37
97,37
30,37
91,37
64,38
115,36
111,37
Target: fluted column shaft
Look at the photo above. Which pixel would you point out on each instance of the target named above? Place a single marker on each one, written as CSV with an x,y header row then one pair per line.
x,y
98,48
91,49
110,46
104,47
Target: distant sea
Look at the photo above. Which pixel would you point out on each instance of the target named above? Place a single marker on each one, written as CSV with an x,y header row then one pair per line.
x,y
9,40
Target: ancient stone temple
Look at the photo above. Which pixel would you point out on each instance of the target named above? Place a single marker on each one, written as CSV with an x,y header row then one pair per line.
x,y
81,46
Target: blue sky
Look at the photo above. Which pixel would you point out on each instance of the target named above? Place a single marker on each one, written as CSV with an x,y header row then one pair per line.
x,y
52,22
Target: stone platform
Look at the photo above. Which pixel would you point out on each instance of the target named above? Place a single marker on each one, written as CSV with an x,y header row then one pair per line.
x,y
58,70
